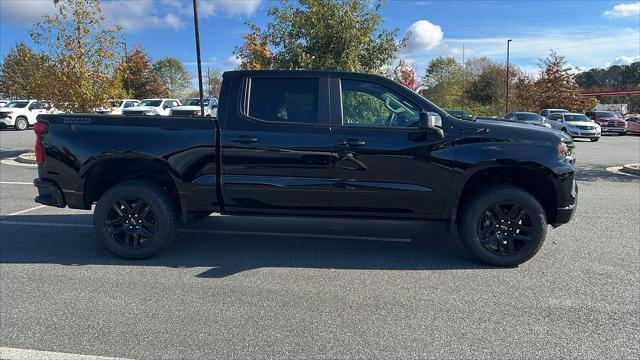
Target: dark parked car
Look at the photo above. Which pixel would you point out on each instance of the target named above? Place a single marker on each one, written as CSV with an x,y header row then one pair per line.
x,y
314,144
460,114
529,118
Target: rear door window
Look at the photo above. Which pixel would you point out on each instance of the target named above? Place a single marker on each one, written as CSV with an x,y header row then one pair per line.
x,y
286,100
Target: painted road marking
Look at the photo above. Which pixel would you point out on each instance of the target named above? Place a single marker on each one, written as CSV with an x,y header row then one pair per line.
x,y
15,183
227,232
24,211
25,354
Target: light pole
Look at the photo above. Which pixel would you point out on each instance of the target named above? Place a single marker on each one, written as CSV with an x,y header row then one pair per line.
x,y
126,67
195,23
507,103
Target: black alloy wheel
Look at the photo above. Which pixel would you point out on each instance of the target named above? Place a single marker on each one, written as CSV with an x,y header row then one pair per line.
x,y
504,229
131,222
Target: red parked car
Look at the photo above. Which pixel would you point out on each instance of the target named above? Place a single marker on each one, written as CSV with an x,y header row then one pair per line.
x,y
608,121
633,124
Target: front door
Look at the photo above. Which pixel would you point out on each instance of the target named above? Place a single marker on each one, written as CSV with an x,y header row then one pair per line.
x,y
384,163
277,147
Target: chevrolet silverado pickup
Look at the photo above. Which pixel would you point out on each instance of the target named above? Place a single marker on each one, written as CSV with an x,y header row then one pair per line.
x,y
310,143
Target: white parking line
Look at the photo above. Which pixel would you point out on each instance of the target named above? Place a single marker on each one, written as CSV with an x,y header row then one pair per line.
x,y
25,211
15,183
25,354
227,232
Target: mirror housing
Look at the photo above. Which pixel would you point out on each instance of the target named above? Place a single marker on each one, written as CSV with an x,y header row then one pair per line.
x,y
431,121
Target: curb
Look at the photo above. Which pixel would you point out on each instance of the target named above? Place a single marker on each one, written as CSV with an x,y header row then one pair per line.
x,y
631,169
27,158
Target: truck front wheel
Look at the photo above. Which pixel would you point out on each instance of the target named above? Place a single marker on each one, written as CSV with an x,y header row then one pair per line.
x,y
503,225
135,219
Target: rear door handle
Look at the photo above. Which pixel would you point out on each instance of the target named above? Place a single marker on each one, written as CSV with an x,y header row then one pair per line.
x,y
244,139
352,142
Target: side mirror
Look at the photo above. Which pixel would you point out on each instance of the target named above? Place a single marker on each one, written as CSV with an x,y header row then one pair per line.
x,y
431,121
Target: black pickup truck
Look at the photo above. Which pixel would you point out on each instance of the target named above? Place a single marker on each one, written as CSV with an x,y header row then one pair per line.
x,y
312,143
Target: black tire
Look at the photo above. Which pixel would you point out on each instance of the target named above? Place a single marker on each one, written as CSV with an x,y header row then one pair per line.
x,y
594,139
21,123
135,219
502,242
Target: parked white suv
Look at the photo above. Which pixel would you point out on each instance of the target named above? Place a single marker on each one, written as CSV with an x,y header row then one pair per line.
x,y
575,125
21,113
116,106
152,107
191,107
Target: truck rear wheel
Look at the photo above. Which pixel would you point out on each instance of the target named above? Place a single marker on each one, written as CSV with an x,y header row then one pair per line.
x,y
503,225
135,219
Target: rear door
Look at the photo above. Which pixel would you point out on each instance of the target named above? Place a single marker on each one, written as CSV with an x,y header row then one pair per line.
x,y
276,145
384,165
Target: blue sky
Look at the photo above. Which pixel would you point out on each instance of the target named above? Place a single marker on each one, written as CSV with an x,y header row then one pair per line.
x,y
588,33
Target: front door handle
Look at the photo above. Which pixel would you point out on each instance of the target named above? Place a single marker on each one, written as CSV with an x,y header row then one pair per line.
x,y
352,142
244,139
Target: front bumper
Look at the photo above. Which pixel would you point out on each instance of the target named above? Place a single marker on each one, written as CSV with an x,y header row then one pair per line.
x,y
564,214
584,133
616,130
48,193
7,121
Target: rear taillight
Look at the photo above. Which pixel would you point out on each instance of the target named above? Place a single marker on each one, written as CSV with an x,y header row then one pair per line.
x,y
40,128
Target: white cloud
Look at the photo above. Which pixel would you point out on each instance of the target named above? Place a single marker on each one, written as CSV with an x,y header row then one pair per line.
x,y
422,36
623,10
228,7
21,12
135,15
233,60
623,60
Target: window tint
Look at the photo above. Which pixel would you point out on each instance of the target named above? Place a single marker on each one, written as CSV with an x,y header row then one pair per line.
x,y
284,100
528,117
128,104
369,104
555,117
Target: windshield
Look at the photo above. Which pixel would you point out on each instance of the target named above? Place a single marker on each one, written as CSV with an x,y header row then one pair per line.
x,y
17,104
528,117
196,102
115,103
576,118
605,114
153,103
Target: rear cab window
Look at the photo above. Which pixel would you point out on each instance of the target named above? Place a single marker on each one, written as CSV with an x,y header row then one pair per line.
x,y
283,100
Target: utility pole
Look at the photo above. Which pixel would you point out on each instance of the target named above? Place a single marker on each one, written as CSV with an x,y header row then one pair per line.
x,y
126,67
464,78
508,80
195,23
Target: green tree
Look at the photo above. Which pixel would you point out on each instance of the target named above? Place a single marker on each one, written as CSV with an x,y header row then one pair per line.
x,y
139,78
81,46
320,34
25,74
444,82
174,76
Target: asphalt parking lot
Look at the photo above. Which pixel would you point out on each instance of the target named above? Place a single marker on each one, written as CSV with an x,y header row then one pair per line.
x,y
238,288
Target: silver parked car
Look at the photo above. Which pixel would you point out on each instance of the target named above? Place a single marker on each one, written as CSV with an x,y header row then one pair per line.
x,y
529,118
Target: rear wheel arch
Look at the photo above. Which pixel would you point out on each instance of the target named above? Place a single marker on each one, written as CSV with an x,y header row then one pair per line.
x,y
107,173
